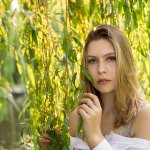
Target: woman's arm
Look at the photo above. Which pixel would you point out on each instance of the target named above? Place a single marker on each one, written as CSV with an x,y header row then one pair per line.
x,y
141,125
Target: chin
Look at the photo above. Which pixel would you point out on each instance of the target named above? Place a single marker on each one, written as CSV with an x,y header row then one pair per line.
x,y
105,91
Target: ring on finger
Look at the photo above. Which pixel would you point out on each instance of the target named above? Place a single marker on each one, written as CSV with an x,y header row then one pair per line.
x,y
89,105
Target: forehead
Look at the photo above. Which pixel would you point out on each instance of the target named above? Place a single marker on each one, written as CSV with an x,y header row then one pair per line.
x,y
100,47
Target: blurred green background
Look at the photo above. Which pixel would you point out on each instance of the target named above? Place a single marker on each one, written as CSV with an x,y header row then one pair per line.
x,y
41,43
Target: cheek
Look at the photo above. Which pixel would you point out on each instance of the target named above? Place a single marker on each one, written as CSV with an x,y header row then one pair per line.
x,y
92,69
111,66
113,69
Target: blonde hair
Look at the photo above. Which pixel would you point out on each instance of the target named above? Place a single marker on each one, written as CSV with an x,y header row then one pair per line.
x,y
127,95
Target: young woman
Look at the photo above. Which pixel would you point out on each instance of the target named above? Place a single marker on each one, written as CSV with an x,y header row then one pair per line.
x,y
115,115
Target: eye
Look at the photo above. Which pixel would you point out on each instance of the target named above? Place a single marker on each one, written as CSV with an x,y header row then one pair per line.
x,y
111,58
92,61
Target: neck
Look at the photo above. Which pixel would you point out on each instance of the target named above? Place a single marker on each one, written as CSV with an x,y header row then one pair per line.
x,y
108,103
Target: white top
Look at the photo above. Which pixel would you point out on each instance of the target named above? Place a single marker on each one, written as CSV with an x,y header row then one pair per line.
x,y
112,141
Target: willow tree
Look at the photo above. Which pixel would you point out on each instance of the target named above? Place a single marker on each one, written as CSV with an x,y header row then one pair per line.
x,y
41,45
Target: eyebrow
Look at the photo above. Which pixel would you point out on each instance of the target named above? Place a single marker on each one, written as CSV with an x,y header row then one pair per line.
x,y
103,56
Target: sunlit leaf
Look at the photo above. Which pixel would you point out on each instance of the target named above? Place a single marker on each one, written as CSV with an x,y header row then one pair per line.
x,y
87,74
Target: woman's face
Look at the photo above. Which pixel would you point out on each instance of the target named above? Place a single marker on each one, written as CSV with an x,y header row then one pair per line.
x,y
101,63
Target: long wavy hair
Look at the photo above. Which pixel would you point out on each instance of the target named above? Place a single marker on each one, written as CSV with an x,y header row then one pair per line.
x,y
127,94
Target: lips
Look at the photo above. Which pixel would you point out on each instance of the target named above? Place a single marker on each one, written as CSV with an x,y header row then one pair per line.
x,y
103,81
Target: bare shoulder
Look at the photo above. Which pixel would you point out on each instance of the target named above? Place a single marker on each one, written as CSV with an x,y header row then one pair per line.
x,y
73,122
141,125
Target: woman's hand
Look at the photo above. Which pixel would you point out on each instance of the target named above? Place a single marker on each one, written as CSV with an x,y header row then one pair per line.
x,y
44,141
90,110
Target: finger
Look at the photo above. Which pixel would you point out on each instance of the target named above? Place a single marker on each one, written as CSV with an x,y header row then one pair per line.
x,y
82,113
88,102
46,136
43,140
94,98
86,108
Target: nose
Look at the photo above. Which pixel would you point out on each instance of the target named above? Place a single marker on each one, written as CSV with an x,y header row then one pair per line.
x,y
101,67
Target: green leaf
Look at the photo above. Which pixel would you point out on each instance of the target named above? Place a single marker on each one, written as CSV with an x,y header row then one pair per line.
x,y
74,78
135,21
79,125
14,104
127,16
78,42
116,3
34,36
140,5
87,74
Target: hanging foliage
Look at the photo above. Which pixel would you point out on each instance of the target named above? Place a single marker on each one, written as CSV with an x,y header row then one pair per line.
x,y
41,45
